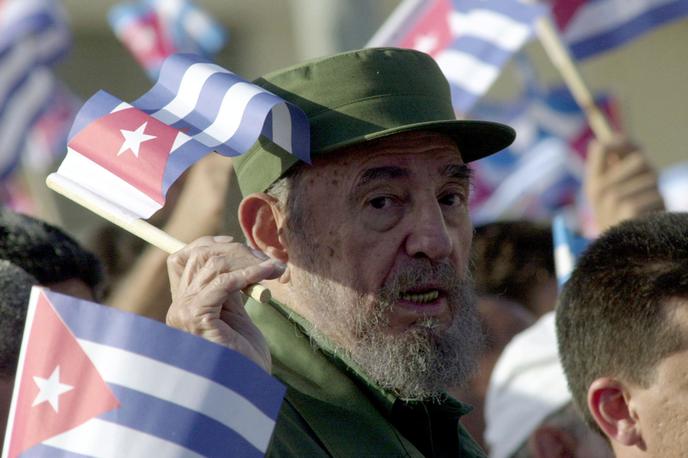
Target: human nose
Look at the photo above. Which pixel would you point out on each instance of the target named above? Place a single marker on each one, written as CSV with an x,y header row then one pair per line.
x,y
429,235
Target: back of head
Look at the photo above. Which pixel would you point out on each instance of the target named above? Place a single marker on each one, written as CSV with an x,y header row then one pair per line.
x,y
611,319
15,289
513,259
46,252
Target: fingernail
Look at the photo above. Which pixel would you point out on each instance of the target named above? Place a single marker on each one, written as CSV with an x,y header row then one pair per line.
x,y
223,238
259,254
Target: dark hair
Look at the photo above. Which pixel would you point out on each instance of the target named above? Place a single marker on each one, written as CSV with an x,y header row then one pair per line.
x,y
15,289
46,252
612,317
511,258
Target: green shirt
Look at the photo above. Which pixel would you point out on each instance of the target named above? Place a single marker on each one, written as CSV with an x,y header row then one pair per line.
x,y
330,410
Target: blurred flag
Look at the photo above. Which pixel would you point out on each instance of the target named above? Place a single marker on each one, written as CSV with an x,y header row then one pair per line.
x,y
568,246
673,184
591,27
126,157
153,30
95,381
47,140
471,40
33,35
542,171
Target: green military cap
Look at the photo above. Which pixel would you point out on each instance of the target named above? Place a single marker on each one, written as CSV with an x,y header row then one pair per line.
x,y
363,95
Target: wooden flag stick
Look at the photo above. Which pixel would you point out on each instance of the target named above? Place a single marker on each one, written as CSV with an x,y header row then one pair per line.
x,y
136,226
563,61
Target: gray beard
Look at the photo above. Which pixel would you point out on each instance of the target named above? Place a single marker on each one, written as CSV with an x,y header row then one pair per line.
x,y
419,364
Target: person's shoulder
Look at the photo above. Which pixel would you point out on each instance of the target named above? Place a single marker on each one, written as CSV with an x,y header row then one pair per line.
x,y
293,436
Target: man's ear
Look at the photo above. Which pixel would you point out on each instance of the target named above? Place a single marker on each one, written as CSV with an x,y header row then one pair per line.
x,y
551,442
609,404
261,221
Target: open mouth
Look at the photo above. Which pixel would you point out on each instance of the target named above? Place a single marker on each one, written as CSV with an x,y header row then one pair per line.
x,y
421,297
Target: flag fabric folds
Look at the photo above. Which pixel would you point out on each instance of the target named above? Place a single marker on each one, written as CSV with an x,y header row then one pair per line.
x,y
95,381
471,40
543,170
592,27
127,156
568,246
33,35
153,30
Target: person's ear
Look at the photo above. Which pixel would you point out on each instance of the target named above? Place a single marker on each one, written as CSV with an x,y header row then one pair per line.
x,y
551,442
261,221
610,406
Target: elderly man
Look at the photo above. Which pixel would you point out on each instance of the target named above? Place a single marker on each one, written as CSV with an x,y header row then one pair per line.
x,y
365,251
622,324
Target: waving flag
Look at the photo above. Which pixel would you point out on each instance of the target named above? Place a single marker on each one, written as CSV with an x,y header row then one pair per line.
x,y
33,35
153,30
95,381
594,26
568,246
471,40
127,156
542,171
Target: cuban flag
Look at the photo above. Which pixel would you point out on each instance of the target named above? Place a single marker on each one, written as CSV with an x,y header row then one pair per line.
x,y
471,40
125,157
542,171
153,30
568,246
95,381
33,35
591,27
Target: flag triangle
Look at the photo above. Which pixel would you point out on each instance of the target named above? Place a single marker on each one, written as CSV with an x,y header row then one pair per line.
x,y
59,387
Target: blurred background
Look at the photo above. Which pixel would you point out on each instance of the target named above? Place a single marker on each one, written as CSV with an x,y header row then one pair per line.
x,y
647,77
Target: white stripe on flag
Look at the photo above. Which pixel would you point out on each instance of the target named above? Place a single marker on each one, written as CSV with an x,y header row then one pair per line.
x,y
189,92
602,16
103,439
466,71
229,116
91,180
490,26
15,65
564,262
186,389
24,105
544,164
563,125
281,126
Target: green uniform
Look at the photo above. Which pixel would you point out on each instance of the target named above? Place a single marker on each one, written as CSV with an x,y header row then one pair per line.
x,y
330,410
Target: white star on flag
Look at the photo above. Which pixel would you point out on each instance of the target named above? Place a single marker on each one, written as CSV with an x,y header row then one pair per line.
x,y
50,389
134,138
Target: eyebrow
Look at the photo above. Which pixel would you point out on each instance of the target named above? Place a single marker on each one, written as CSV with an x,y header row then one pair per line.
x,y
381,173
457,171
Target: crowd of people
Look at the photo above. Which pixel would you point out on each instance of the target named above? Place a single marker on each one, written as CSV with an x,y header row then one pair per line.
x,y
397,327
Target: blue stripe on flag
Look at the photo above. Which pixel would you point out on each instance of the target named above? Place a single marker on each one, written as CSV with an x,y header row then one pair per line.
x,y
630,30
300,143
41,451
462,99
182,158
133,333
169,80
204,435
483,50
517,11
100,104
568,246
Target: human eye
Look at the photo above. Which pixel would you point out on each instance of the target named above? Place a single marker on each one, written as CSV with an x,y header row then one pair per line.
x,y
381,202
453,198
